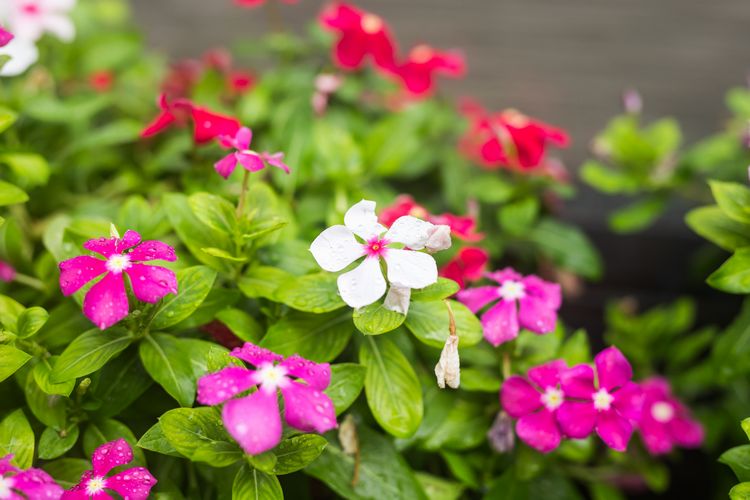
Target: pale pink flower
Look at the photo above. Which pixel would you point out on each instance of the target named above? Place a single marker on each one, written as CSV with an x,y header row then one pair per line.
x,y
106,302
30,19
17,484
254,420
249,159
522,302
325,85
132,484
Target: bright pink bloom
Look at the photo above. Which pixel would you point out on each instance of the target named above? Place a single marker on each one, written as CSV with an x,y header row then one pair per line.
x,y
534,403
134,483
469,264
257,3
239,81
418,72
164,119
17,484
5,37
602,399
249,159
106,302
7,272
207,125
524,302
101,81
254,420
361,34
463,227
665,422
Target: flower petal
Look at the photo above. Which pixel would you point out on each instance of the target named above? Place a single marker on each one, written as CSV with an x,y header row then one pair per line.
x,y
106,303
687,432
153,250
254,421
59,25
216,388
251,162
539,430
534,315
550,294
411,269
504,275
335,248
129,240
308,409
519,397
133,484
656,436
578,382
410,231
614,430
78,491
103,246
350,51
628,401
577,420
111,455
612,369
76,272
548,374
37,484
500,323
362,221
23,53
477,298
363,285
317,375
276,160
151,283
226,165
209,125
243,138
255,355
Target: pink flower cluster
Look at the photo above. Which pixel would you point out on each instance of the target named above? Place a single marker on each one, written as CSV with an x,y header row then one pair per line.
x,y
250,160
555,402
254,420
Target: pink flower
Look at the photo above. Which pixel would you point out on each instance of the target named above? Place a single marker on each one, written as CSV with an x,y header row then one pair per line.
x,y
602,399
463,227
207,125
7,272
257,3
534,403
5,37
17,484
249,159
665,422
101,81
106,302
254,420
325,86
469,264
133,484
524,302
30,19
418,72
361,34
239,81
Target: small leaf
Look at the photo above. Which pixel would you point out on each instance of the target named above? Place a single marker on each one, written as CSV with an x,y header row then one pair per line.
x,y
11,195
568,247
155,440
317,337
17,438
519,217
738,458
31,321
638,215
315,293
375,319
734,275
54,443
443,289
242,324
250,483
88,352
347,381
714,225
429,322
297,452
43,371
214,211
198,433
193,283
11,359
263,281
733,199
169,365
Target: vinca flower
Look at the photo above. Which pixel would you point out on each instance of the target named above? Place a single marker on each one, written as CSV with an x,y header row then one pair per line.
x,y
601,399
534,402
469,264
249,159
5,37
106,302
338,246
17,484
207,125
423,63
23,53
30,19
520,302
133,484
665,421
254,420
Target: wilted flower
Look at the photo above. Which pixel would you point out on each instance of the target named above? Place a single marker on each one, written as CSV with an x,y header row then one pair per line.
x,y
423,63
665,421
602,399
29,19
469,264
448,368
106,302
23,53
501,436
134,483
254,420
534,402
438,239
524,302
337,247
462,226
249,159
16,484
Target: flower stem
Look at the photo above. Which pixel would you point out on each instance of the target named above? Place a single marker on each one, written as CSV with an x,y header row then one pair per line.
x,y
451,319
29,281
243,193
506,364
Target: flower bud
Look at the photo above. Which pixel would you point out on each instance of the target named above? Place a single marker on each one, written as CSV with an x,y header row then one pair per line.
x,y
439,238
448,368
500,435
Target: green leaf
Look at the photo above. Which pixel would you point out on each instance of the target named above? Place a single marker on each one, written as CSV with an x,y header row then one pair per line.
x,y
17,438
169,365
714,225
518,218
51,410
638,215
738,458
568,247
29,168
297,452
31,321
477,379
347,381
155,440
575,350
438,488
119,383
214,211
263,281
606,179
734,275
242,324
392,388
54,443
740,492
11,195
11,359
198,433
315,293
250,483
43,371
443,289
194,284
746,427
7,117
264,462
429,322
489,188
88,352
733,199
104,431
223,254
111,134
318,337
375,319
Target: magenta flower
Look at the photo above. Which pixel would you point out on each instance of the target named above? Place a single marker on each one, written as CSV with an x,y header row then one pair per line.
x,y
254,420
665,422
7,273
132,484
605,401
246,157
106,302
5,37
17,484
524,302
534,403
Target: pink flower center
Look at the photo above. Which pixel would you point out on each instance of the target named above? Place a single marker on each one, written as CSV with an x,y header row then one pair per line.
x,y
95,485
272,377
602,399
31,8
117,263
371,24
6,483
662,412
376,247
512,290
421,54
552,398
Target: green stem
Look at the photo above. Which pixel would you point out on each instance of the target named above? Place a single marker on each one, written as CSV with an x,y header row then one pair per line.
x,y
29,281
243,193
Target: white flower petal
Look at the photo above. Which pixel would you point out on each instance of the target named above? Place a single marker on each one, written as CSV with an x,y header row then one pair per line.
x,y
363,285
23,54
60,26
410,269
59,5
440,239
397,299
363,222
410,231
335,248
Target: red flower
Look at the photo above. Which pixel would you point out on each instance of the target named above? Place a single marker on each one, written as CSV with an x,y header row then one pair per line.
x,y
101,81
207,125
181,78
239,82
360,34
463,227
468,265
424,62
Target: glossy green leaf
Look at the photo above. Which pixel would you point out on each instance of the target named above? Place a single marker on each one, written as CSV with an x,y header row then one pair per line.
x,y
375,319
88,352
11,195
297,452
11,359
318,337
198,433
214,211
31,321
734,275
54,443
155,440
429,322
733,199
17,438
347,381
714,225
443,289
315,293
169,365
193,283
250,483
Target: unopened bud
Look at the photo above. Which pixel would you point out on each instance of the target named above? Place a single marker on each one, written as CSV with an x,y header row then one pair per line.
x,y
113,233
501,436
448,368
397,299
439,238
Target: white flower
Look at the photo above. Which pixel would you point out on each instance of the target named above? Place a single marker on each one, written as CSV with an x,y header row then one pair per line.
x,y
30,19
23,54
338,246
448,368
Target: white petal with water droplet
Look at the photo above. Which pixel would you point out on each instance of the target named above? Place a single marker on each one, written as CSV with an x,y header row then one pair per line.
x,y
410,268
363,285
335,248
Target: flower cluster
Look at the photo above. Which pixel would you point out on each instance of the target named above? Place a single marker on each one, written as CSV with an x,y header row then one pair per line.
x,y
32,483
555,401
254,420
185,74
207,125
407,268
